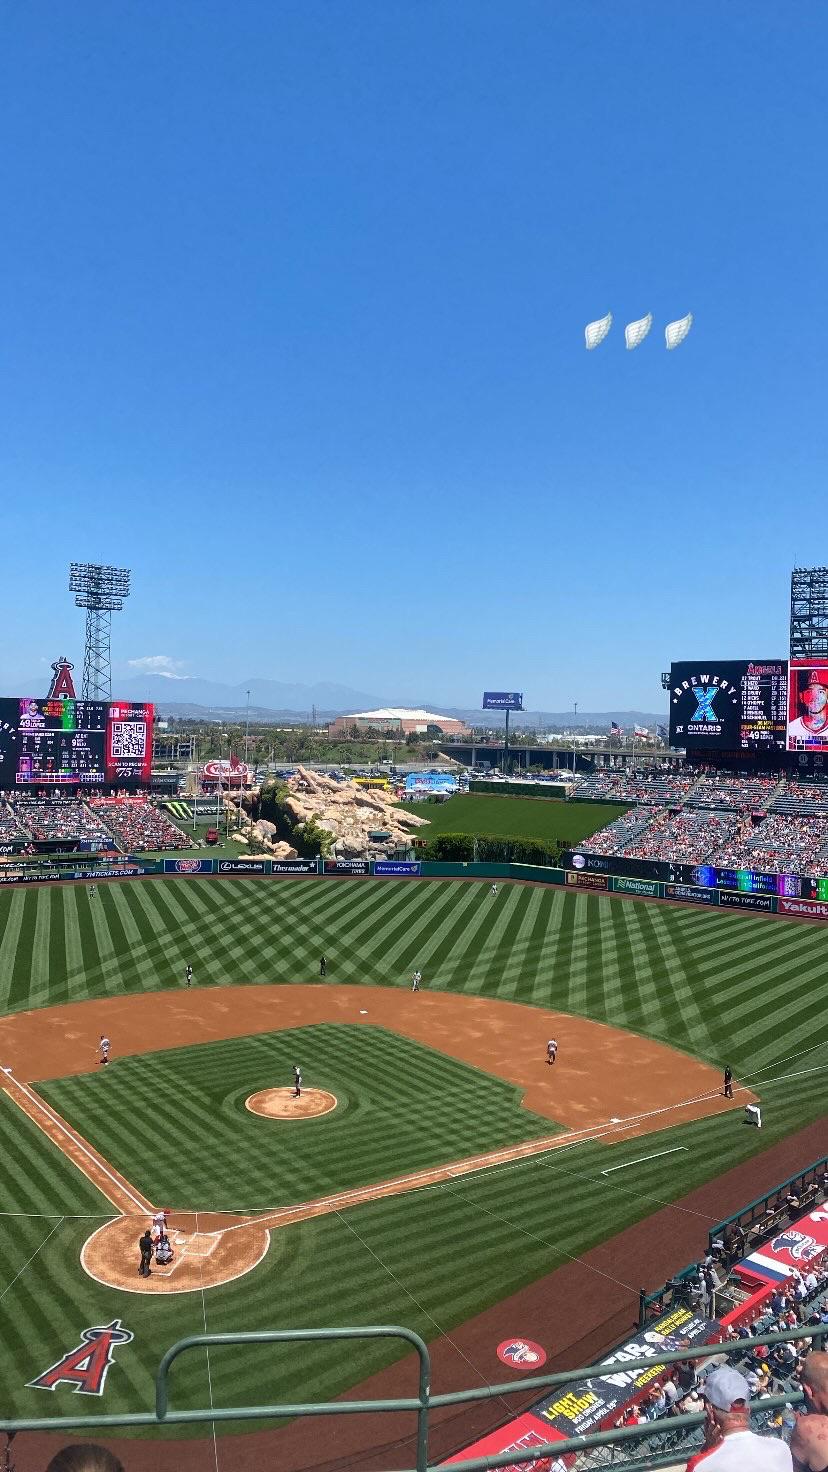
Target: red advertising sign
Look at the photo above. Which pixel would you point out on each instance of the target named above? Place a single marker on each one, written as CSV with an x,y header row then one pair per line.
x,y
521,1435
800,1245
129,744
815,908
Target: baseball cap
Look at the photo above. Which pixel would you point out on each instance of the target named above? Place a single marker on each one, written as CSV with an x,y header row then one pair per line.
x,y
724,1386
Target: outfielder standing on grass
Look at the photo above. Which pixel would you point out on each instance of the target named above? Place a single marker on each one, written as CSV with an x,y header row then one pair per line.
x,y
188,975
323,965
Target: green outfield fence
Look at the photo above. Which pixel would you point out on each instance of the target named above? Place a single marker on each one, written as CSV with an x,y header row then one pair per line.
x,y
675,1429
571,877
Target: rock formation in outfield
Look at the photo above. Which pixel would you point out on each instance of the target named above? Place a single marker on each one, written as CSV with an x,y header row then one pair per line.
x,y
350,813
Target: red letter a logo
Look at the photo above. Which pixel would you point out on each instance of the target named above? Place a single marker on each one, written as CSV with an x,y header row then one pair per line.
x,y
85,1368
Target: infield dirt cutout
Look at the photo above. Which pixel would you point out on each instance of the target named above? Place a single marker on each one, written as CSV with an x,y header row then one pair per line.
x,y
605,1084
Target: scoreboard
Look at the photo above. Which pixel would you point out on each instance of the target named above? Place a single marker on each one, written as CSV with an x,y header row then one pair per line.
x,y
730,704
57,743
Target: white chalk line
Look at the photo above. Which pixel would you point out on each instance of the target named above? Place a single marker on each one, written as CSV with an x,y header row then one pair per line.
x,y
641,1159
80,1144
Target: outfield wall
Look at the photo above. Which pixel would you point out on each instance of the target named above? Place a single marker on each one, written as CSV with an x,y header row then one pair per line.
x,y
580,873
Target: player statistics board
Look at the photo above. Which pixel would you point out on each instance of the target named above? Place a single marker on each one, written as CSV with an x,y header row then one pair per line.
x,y
729,704
808,705
74,743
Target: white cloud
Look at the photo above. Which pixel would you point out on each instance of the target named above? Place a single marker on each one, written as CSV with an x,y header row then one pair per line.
x,y
159,664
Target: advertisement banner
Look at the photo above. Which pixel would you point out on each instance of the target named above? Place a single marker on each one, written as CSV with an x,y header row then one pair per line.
x,y
732,705
586,881
584,1406
738,901
648,887
799,1246
49,876
598,863
188,866
814,909
690,894
294,866
523,1434
129,744
502,700
389,868
346,866
243,866
430,783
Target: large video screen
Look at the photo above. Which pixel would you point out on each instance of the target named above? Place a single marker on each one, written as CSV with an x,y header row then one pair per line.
x,y
74,743
808,705
729,704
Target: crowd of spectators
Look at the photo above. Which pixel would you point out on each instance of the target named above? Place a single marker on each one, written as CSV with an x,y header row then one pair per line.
x,y
60,819
742,794
778,845
138,825
618,837
10,829
803,799
687,837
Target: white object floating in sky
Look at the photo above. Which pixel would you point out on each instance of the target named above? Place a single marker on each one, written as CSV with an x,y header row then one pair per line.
x,y
635,332
676,332
595,332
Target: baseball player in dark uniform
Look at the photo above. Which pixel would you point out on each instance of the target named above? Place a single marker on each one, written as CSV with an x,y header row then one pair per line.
x,y
146,1246
323,965
728,1082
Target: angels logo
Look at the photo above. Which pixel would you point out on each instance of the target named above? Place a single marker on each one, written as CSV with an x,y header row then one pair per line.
x,y
521,1352
86,1366
187,866
801,1247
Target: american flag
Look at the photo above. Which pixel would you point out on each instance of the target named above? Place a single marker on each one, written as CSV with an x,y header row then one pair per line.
x,y
615,729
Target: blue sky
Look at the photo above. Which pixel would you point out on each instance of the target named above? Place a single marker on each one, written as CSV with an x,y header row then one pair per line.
x,y
292,306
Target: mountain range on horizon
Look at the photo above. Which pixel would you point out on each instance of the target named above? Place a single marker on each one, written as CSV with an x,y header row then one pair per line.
x,y
271,700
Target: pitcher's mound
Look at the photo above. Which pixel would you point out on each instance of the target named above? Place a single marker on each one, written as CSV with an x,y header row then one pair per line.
x,y
283,1104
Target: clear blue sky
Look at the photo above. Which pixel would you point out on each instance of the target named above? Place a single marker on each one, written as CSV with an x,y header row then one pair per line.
x,y
292,305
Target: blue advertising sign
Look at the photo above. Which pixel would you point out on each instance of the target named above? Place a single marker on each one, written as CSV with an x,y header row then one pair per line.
x,y
389,868
430,782
502,700
188,866
244,866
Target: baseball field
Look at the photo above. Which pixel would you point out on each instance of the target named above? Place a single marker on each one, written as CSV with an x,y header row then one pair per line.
x,y
440,1175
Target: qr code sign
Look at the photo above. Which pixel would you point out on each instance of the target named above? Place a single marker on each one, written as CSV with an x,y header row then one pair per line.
x,y
129,738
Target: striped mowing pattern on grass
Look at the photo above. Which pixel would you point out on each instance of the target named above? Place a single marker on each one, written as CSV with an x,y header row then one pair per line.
x,y
728,987
401,1108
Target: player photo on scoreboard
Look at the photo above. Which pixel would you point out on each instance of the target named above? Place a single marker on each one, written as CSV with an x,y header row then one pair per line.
x,y
808,705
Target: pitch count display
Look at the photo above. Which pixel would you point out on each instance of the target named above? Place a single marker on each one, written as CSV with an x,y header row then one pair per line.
x,y
74,743
729,704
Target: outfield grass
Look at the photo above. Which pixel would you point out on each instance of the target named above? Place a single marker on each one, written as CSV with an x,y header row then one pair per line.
x,y
401,1107
727,987
515,817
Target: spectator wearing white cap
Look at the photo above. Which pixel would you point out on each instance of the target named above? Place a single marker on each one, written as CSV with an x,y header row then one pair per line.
x,y
729,1443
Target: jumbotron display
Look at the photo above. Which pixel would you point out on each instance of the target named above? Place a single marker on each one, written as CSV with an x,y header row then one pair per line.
x,y
729,704
74,743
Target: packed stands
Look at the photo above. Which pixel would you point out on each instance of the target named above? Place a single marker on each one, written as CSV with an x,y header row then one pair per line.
x,y
138,825
663,789
778,845
720,790
688,837
60,819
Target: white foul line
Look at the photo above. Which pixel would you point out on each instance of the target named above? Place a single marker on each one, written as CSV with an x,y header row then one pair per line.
x,y
642,1158
76,1140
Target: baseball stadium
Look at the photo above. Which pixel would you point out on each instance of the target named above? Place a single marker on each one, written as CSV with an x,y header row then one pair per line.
x,y
405,1226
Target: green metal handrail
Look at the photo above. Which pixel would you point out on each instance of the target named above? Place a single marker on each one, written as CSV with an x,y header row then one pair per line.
x,y
424,1402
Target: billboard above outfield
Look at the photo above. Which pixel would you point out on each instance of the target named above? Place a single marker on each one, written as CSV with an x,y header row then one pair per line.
x,y
730,704
63,742
502,700
808,705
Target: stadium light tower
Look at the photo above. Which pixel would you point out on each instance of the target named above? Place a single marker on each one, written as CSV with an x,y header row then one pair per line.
x,y
101,591
809,613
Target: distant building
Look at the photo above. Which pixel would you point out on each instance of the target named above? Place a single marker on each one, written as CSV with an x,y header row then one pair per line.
x,y
399,722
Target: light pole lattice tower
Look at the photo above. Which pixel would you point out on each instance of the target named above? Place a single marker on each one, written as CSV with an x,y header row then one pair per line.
x,y
809,613
101,591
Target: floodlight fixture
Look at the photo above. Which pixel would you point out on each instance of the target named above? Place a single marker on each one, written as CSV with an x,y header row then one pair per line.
x,y
101,590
